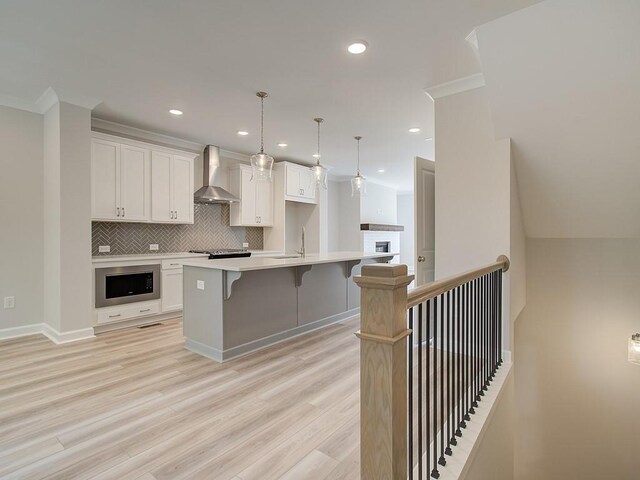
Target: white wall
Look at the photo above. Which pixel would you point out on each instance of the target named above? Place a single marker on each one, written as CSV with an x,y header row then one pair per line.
x,y
333,216
494,459
577,397
380,205
67,213
407,240
472,185
21,216
349,219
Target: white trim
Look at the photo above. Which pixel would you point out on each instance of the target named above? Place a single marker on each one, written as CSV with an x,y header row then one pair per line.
x,y
48,331
144,145
472,38
455,86
506,356
14,332
47,100
66,337
18,103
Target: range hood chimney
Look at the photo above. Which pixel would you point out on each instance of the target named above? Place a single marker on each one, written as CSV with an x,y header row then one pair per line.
x,y
212,192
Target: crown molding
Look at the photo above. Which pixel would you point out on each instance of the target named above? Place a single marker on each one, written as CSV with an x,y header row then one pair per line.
x,y
472,38
456,86
135,133
47,100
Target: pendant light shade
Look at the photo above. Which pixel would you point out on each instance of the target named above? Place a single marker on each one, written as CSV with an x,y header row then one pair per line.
x,y
634,349
358,183
319,171
261,163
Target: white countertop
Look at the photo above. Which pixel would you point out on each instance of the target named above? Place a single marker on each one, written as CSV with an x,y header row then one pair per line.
x,y
145,256
265,263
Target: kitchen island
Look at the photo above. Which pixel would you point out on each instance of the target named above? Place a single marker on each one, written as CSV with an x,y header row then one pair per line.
x,y
234,306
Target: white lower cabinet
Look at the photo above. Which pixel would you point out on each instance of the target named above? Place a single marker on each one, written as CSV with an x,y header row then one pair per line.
x,y
127,312
171,289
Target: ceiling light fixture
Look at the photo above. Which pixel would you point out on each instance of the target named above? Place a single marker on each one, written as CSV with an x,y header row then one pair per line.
x,y
381,170
282,145
243,133
429,139
414,130
261,163
176,112
358,47
319,171
358,183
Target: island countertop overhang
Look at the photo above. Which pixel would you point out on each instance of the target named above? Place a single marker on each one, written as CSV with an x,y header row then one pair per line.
x,y
265,263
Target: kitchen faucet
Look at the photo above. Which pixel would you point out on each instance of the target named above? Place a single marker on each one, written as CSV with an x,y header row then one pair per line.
x,y
302,251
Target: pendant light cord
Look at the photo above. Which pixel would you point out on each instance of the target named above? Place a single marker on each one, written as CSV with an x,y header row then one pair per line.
x,y
358,167
318,162
261,123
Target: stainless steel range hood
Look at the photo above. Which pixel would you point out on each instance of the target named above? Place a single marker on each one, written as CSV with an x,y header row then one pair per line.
x,y
212,192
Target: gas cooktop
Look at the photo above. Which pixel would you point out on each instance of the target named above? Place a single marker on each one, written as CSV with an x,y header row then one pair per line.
x,y
224,252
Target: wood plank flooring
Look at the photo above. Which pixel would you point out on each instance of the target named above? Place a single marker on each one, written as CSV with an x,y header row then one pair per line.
x,y
134,404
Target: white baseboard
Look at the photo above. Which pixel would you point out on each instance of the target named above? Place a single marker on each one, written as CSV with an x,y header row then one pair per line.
x,y
66,337
49,332
15,332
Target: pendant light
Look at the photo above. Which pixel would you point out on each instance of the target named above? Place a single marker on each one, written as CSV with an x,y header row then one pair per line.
x,y
261,163
358,183
319,172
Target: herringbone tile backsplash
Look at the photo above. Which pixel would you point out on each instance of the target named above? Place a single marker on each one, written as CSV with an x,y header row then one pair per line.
x,y
210,230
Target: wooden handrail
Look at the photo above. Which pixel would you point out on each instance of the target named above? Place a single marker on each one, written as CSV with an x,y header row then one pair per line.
x,y
431,290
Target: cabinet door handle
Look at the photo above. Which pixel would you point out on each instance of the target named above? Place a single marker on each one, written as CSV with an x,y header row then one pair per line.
x,y
302,191
176,212
117,211
145,310
115,316
174,264
122,212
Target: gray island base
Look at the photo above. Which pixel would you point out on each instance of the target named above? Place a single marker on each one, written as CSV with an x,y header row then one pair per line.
x,y
238,305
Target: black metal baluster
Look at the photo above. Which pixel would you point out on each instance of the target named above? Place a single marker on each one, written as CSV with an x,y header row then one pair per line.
x,y
442,461
459,361
500,315
455,377
448,403
420,344
426,389
465,375
476,363
410,407
484,336
434,472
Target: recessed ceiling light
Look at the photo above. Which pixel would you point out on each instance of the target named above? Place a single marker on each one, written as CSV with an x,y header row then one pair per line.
x,y
428,139
316,155
282,145
174,111
358,47
414,130
243,133
381,170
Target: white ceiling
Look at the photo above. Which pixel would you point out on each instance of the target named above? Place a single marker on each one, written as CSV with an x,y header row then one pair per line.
x,y
208,58
563,79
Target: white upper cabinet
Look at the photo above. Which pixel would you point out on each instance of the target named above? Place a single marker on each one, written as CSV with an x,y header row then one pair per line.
x,y
172,188
299,183
137,182
182,188
255,208
135,187
105,180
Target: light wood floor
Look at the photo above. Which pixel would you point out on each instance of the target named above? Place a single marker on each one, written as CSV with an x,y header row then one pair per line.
x,y
134,404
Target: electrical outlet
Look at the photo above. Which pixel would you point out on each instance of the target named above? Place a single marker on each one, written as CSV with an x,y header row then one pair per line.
x,y
245,245
9,302
200,284
154,247
104,248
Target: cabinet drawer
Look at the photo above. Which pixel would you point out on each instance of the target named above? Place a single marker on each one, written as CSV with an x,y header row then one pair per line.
x,y
130,311
172,264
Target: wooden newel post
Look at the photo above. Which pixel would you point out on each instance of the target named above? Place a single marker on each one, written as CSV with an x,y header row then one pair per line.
x,y
383,371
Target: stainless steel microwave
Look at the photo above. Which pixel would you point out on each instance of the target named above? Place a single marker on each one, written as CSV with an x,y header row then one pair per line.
x,y
120,285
